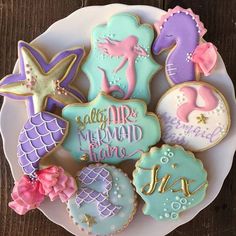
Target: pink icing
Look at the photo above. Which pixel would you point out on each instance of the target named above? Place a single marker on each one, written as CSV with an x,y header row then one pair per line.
x,y
129,50
178,9
29,193
205,56
191,94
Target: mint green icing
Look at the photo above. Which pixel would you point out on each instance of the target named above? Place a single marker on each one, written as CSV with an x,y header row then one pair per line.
x,y
119,28
178,163
104,137
121,194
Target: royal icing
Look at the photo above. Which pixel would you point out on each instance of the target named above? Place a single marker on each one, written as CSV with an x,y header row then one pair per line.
x,y
169,180
110,130
194,115
44,84
105,198
28,193
182,30
120,61
41,134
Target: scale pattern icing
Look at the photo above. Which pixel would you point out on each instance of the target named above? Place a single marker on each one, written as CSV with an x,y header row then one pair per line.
x,y
39,136
85,194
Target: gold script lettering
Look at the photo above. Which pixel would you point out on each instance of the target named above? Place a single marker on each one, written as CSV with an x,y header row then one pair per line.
x,y
164,184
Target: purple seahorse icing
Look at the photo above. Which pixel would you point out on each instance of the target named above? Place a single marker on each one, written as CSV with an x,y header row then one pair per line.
x,y
129,50
40,135
90,175
182,29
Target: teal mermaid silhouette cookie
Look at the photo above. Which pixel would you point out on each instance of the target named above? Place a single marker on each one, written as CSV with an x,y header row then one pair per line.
x,y
120,61
169,180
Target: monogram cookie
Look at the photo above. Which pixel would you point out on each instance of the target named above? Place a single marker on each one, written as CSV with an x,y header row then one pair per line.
x,y
194,115
105,202
169,180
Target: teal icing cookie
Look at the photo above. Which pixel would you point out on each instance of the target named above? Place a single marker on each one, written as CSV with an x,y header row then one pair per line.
x,y
105,202
120,61
110,130
169,180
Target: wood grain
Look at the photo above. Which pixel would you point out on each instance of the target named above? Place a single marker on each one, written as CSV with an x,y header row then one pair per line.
x,y
26,19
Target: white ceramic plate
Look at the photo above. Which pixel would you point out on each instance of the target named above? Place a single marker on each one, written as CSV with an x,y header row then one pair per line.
x,y
75,30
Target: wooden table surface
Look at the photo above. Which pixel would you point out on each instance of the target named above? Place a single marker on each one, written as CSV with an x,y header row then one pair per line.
x,y
26,19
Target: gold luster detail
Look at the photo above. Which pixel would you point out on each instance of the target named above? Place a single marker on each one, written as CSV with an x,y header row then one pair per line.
x,y
89,220
84,157
201,119
165,186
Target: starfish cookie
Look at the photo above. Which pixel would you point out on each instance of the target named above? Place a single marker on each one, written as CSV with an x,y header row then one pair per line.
x,y
44,84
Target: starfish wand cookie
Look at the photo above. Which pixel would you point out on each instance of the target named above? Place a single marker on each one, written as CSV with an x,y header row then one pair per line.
x,y
43,84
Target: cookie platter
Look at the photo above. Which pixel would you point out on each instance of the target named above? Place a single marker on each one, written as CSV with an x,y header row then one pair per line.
x,y
75,30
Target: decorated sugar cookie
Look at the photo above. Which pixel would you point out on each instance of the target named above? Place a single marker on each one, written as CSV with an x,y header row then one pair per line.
x,y
194,115
105,202
43,84
110,130
120,61
169,180
30,191
182,31
41,134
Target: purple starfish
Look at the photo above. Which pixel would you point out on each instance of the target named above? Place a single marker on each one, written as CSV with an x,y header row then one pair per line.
x,y
44,84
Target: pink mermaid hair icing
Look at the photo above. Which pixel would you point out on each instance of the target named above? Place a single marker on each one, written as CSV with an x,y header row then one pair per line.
x,y
183,29
129,50
210,101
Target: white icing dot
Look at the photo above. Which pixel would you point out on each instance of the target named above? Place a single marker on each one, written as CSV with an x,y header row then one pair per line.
x,y
170,154
117,178
183,201
161,217
177,198
115,192
118,188
167,215
184,207
175,206
164,160
165,209
167,199
174,215
116,184
119,195
189,203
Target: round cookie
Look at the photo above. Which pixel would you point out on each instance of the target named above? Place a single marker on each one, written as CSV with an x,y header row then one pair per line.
x,y
105,202
194,115
120,61
169,180
110,130
189,55
41,83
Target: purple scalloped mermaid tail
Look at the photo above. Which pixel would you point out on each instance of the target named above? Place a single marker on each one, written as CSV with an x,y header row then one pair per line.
x,y
88,176
40,135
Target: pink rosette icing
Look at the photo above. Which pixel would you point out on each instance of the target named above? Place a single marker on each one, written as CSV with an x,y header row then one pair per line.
x,y
56,183
29,193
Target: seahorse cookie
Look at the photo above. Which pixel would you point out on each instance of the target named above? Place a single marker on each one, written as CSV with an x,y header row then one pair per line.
x,y
170,180
194,115
110,130
120,61
182,31
41,83
105,202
